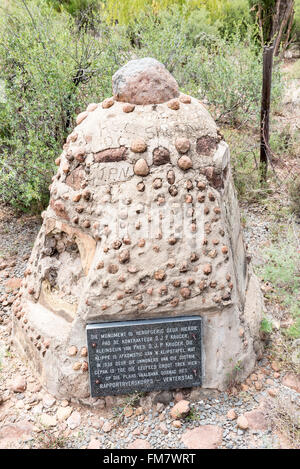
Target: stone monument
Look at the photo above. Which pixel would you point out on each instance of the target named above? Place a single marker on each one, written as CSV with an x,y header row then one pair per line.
x,y
143,224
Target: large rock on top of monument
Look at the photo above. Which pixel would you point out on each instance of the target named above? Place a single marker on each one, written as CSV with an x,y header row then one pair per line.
x,y
144,81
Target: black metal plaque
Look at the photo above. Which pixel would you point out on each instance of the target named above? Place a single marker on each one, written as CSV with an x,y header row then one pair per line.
x,y
146,355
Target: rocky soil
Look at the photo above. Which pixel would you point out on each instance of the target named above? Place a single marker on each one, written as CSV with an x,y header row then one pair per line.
x,y
243,417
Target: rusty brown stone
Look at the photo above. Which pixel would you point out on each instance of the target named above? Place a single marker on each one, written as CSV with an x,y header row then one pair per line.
x,y
128,107
185,163
172,240
86,224
160,275
182,144
72,351
72,137
76,197
111,155
203,437
185,292
207,228
207,269
76,366
85,366
117,244
86,194
206,145
157,183
189,185
124,256
184,98
138,145
214,177
163,290
201,186
79,154
112,268
292,381
107,103
59,208
75,178
171,177
173,104
173,191
213,253
161,156
141,168
174,302
176,283
141,243
194,257
144,81
224,249
79,209
180,410
140,187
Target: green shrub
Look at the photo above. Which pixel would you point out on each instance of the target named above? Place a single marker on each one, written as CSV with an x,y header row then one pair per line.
x,y
266,326
85,12
50,70
225,72
282,270
296,28
294,192
224,15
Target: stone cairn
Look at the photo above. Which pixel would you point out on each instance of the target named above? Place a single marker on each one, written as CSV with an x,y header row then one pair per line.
x,y
143,222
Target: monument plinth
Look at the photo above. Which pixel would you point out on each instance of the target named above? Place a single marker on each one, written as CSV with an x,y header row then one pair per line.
x,y
143,224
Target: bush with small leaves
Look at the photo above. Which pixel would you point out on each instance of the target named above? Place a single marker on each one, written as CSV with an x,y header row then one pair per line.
x,y
50,70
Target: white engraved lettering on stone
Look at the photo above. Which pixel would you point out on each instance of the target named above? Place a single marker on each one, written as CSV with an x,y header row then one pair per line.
x,y
112,172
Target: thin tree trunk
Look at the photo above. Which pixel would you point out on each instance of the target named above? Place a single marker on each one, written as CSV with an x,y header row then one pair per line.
x,y
286,10
265,111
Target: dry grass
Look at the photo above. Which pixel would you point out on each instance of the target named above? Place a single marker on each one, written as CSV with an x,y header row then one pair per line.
x,y
285,417
48,440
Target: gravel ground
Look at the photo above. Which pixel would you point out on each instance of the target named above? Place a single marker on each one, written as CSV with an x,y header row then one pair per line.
x,y
31,418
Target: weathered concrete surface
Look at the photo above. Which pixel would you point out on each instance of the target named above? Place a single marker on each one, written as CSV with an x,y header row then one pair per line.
x,y
143,222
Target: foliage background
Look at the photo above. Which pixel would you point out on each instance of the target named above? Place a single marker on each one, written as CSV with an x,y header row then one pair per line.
x,y
56,56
